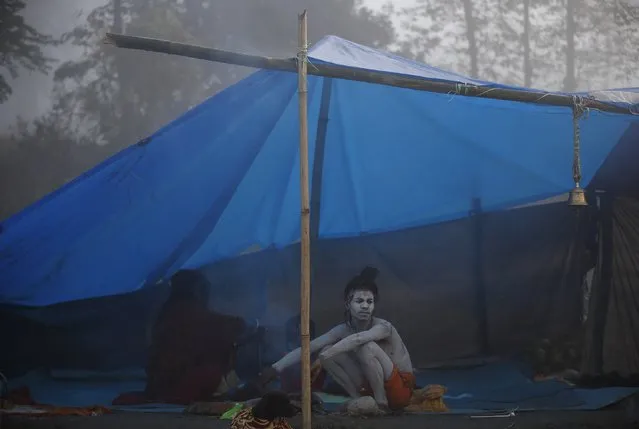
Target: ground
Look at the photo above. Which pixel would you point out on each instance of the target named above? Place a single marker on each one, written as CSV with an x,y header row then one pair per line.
x,y
616,418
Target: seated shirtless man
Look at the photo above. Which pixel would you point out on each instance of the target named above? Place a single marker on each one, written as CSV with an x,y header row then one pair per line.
x,y
364,354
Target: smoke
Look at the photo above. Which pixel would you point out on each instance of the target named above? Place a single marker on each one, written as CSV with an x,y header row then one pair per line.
x,y
251,287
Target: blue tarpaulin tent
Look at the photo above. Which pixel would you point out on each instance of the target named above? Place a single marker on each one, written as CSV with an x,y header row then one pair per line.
x,y
223,179
394,175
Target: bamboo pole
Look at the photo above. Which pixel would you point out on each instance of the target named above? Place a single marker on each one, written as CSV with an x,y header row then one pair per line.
x,y
349,73
305,280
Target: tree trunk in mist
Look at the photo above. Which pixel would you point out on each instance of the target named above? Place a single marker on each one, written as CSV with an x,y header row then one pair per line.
x,y
570,81
526,42
470,35
117,16
124,124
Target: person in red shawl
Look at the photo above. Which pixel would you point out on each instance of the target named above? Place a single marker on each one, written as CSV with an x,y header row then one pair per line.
x,y
192,347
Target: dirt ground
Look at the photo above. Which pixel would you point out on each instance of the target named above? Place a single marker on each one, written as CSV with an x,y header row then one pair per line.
x,y
610,419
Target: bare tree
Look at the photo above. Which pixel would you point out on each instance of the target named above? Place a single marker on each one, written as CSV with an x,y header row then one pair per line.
x,y
525,39
570,80
20,46
471,29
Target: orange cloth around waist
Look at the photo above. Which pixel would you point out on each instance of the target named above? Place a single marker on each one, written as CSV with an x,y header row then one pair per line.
x,y
399,389
429,399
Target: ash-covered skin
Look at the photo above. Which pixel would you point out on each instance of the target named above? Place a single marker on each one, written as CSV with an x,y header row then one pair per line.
x,y
364,348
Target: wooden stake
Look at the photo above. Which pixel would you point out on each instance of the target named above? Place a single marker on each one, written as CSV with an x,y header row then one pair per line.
x,y
305,281
370,76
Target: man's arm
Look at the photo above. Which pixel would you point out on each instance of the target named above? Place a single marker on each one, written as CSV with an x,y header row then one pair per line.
x,y
293,357
378,332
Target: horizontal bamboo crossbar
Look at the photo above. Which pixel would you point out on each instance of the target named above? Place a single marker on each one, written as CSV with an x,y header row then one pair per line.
x,y
371,76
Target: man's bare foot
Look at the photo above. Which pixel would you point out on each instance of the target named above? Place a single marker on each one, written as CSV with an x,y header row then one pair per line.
x,y
384,409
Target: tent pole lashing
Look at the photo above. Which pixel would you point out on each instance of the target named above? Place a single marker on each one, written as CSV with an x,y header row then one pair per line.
x,y
305,230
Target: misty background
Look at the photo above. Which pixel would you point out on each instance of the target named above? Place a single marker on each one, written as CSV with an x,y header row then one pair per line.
x,y
68,101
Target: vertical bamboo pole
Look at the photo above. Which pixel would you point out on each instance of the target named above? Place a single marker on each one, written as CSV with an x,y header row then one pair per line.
x,y
305,281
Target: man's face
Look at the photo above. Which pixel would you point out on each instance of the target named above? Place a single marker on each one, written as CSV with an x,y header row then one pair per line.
x,y
361,305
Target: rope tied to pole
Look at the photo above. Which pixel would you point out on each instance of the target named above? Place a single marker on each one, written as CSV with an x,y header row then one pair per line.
x,y
301,58
302,54
462,89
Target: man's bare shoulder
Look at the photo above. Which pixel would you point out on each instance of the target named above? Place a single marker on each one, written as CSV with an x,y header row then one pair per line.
x,y
383,323
342,330
378,321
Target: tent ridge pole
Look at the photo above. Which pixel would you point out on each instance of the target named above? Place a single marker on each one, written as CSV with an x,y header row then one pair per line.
x,y
361,75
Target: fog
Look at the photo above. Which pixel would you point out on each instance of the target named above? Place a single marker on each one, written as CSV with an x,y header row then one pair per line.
x,y
94,100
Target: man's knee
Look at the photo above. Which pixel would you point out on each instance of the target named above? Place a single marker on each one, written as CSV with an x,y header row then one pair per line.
x,y
323,360
367,351
372,354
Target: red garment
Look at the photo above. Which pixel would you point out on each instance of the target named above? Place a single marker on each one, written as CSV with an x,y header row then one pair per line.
x,y
399,389
197,384
193,385
22,396
192,350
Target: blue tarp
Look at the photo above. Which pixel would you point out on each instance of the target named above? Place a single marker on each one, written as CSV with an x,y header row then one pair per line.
x,y
508,385
486,388
223,179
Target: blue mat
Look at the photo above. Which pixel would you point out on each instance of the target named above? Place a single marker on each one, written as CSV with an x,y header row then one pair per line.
x,y
491,387
505,385
85,389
